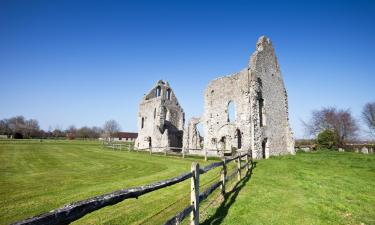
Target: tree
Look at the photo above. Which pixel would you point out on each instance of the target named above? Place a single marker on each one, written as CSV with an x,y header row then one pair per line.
x,y
338,121
4,128
71,132
31,128
110,128
16,124
327,139
84,132
368,116
96,132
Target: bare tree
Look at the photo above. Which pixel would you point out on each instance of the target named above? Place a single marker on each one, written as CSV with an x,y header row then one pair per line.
x,y
16,124
4,128
110,128
337,120
31,128
368,115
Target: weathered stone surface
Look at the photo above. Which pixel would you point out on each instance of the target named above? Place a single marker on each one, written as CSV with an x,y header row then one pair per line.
x,y
161,119
260,124
364,150
192,137
261,121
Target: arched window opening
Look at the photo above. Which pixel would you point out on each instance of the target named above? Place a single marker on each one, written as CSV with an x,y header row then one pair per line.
x,y
154,113
158,91
231,111
143,122
169,94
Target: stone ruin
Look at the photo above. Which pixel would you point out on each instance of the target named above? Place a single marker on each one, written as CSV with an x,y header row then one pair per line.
x,y
161,119
260,124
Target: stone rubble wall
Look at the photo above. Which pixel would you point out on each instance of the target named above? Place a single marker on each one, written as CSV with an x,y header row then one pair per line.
x,y
260,124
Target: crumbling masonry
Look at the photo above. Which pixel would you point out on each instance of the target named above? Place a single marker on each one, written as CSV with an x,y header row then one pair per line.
x,y
258,96
160,119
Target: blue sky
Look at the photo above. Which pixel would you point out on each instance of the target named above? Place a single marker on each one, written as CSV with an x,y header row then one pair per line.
x,y
84,62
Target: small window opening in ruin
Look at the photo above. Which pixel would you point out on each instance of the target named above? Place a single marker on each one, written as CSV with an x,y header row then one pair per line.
x,y
169,94
143,122
261,110
158,91
260,82
231,111
239,139
154,113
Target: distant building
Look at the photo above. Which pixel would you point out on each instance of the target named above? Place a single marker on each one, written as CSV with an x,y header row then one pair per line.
x,y
125,136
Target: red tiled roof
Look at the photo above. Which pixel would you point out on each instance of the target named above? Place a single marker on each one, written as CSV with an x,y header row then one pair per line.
x,y
126,135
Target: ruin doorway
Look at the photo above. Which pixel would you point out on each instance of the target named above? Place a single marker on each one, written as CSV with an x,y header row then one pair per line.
x,y
264,149
149,142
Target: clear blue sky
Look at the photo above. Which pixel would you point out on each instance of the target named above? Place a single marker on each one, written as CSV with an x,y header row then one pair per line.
x,y
84,62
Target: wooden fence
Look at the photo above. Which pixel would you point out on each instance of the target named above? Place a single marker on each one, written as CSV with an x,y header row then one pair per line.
x,y
76,210
165,150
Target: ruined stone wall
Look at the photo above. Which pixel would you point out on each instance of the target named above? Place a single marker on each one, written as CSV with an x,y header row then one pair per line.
x,y
275,134
219,131
261,122
192,137
160,118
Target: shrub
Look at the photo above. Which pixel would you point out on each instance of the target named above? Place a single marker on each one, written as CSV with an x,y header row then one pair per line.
x,y
327,139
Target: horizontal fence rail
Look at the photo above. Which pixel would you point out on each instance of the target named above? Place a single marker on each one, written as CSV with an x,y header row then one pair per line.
x,y
76,210
167,150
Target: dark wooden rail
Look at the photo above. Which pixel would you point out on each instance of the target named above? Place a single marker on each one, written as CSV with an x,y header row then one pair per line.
x,y
76,210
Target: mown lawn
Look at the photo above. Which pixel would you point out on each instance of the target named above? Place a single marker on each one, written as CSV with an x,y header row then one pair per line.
x,y
309,188
38,177
323,187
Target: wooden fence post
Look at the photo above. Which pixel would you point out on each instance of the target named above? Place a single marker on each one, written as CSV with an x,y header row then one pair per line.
x,y
223,176
247,162
205,155
150,150
239,167
165,152
183,152
194,194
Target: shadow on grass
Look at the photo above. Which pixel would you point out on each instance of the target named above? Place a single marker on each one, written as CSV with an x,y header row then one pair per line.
x,y
230,198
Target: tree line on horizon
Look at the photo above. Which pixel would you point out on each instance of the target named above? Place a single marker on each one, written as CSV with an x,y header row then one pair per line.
x,y
335,128
18,127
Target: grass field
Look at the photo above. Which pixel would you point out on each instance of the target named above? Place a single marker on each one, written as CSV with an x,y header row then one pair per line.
x,y
309,188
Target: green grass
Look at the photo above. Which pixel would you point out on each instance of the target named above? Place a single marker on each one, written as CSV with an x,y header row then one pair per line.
x,y
310,188
323,187
38,177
